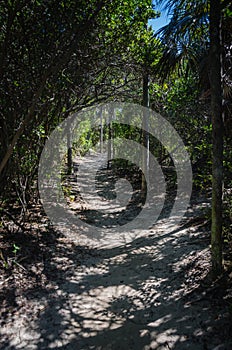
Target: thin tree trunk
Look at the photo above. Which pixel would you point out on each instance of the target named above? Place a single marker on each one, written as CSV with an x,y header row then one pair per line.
x,y
101,131
145,135
17,135
69,153
109,152
217,136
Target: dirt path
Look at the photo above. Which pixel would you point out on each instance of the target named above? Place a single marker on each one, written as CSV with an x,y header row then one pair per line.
x,y
147,293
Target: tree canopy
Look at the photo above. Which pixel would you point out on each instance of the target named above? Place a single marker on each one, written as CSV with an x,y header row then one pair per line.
x,y
59,57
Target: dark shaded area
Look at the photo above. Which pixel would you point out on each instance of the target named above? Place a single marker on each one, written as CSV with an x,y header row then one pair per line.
x,y
198,318
106,179
105,182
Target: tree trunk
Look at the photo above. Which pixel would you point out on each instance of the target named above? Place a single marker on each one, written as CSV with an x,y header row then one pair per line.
x,y
217,136
101,131
145,135
110,140
69,153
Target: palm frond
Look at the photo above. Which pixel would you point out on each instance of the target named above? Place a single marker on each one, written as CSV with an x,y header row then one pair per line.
x,y
185,38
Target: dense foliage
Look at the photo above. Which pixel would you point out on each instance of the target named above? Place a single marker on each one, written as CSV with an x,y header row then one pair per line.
x,y
58,57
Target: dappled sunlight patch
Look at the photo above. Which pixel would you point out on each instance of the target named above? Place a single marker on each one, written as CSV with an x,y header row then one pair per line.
x,y
138,293
166,340
101,308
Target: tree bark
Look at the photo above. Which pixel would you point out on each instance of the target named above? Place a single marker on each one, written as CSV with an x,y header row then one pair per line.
x,y
101,130
69,153
217,136
145,135
110,138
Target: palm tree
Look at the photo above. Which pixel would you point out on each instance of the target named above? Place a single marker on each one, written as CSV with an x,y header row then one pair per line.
x,y
193,39
215,78
185,38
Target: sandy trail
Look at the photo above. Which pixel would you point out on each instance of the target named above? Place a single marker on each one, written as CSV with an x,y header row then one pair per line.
x,y
141,292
